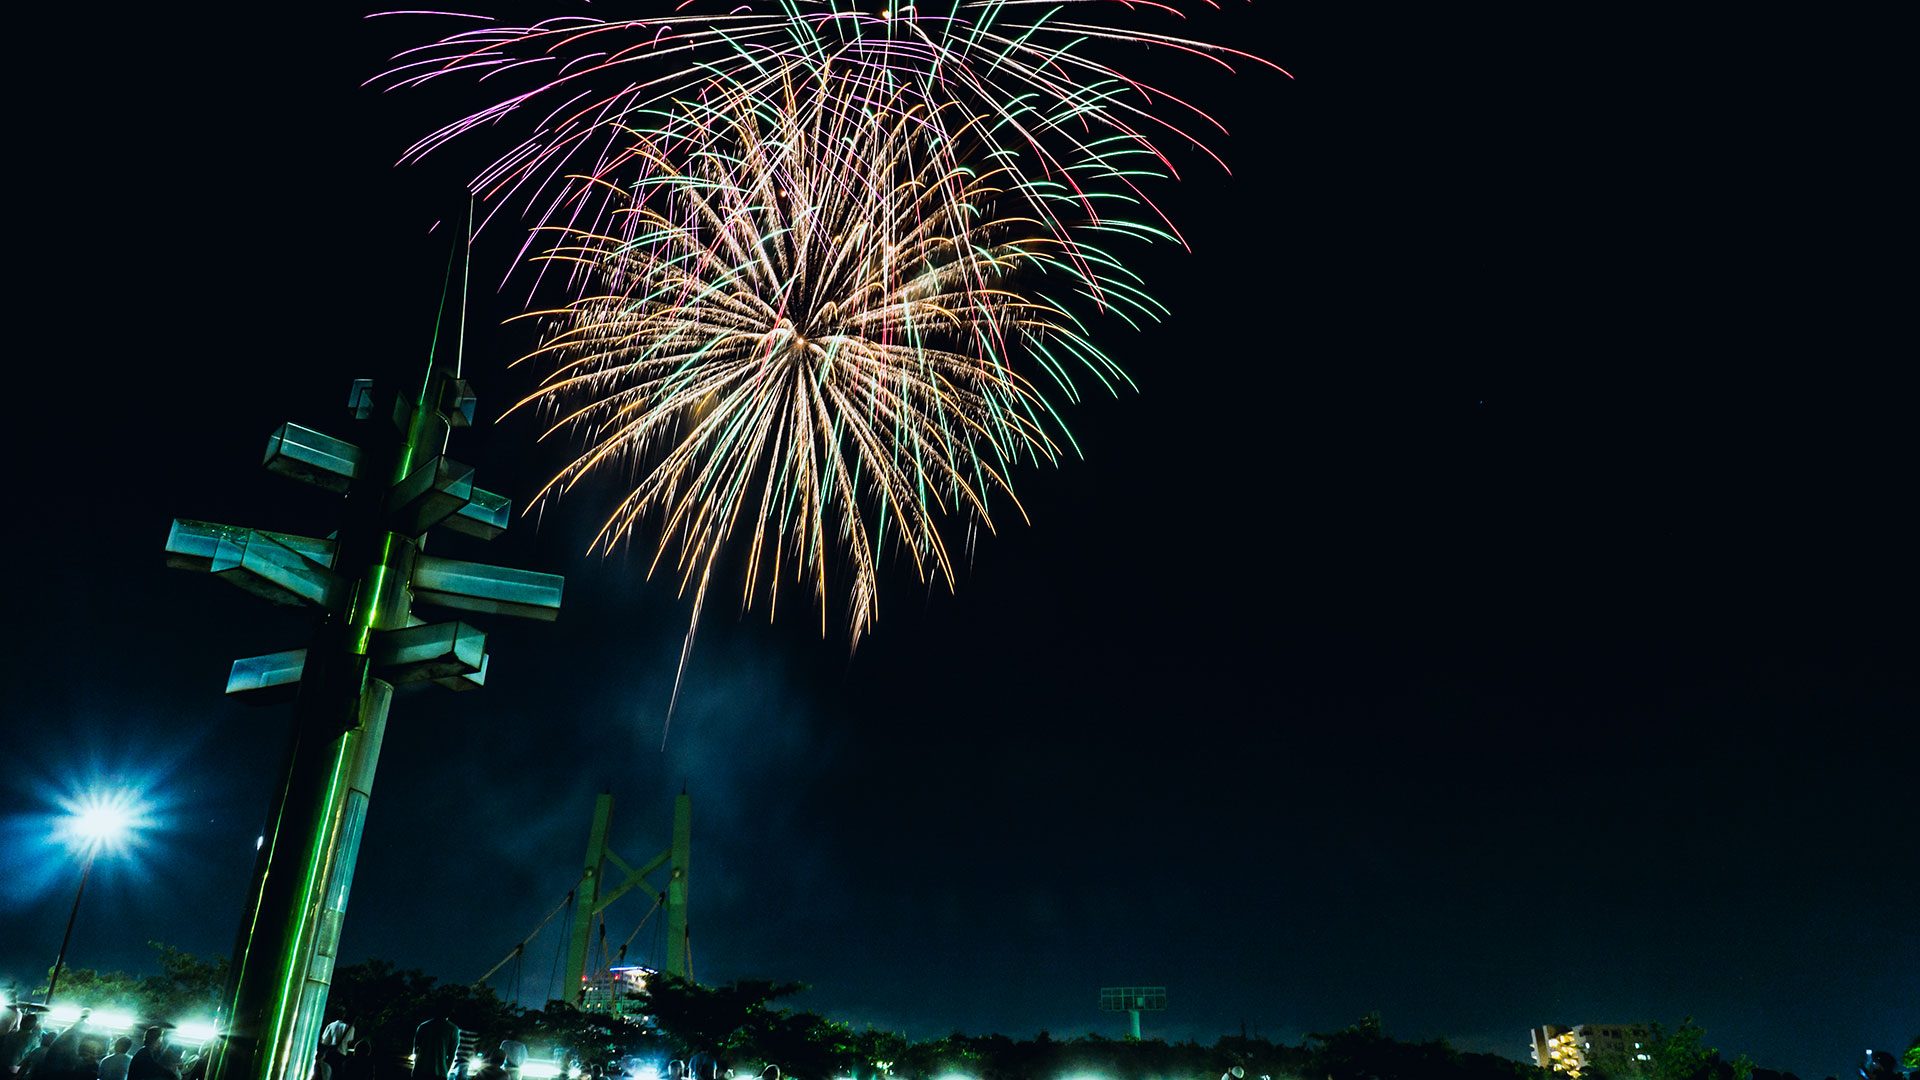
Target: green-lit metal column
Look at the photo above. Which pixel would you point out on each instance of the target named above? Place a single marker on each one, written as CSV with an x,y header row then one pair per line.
x,y
275,1019
361,754
681,865
361,584
586,899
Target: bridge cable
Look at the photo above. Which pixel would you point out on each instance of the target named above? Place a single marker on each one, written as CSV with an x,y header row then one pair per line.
x,y
641,923
559,947
515,951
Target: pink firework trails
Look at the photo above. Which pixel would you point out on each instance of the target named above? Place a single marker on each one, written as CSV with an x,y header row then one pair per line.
x,y
1020,83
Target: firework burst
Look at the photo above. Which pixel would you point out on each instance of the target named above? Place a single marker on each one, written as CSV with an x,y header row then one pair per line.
x,y
807,338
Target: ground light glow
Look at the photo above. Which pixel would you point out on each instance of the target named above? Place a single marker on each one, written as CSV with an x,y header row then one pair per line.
x,y
191,1032
69,1014
195,1031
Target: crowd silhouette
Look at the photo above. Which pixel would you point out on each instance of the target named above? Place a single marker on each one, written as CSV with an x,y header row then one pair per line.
x,y
31,1049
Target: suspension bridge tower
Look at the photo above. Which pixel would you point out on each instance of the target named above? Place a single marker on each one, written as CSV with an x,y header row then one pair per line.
x,y
596,892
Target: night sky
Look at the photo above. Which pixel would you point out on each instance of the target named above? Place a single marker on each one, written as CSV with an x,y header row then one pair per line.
x,y
1495,608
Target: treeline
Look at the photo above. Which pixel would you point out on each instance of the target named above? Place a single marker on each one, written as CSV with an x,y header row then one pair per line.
x,y
744,1025
187,988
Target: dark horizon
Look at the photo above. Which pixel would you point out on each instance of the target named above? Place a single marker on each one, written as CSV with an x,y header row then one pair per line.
x,y
1493,609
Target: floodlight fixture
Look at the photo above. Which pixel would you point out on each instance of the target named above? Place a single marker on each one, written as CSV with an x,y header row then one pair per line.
x,y
104,819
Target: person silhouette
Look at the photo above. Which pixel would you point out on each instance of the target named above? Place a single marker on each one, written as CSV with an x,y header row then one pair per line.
x,y
22,1039
114,1065
434,1044
150,1061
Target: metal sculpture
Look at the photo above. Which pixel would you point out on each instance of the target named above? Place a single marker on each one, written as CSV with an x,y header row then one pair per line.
x,y
362,584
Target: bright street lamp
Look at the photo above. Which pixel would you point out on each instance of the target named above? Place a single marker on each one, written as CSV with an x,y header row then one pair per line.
x,y
92,823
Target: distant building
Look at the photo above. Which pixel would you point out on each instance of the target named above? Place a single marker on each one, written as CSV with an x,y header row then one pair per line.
x,y
1571,1049
620,991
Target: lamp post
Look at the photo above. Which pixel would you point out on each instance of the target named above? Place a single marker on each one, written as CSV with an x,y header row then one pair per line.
x,y
95,823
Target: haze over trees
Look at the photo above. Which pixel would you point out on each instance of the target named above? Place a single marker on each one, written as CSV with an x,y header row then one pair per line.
x,y
187,988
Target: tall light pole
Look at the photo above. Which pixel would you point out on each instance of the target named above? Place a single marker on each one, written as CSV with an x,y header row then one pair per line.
x,y
94,823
